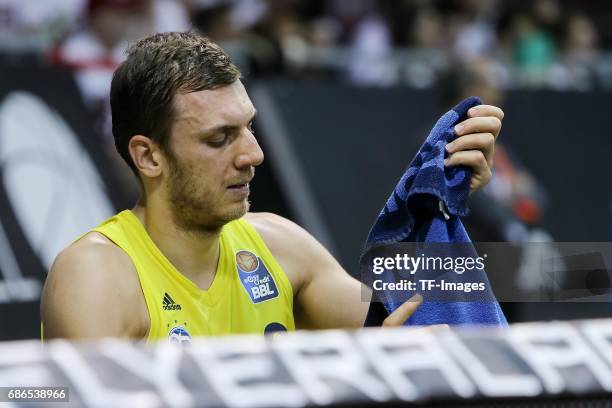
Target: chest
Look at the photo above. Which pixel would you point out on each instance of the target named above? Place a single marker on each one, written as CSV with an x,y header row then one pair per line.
x,y
250,297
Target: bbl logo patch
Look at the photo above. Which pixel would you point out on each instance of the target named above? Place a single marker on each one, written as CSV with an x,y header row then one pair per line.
x,y
178,335
255,277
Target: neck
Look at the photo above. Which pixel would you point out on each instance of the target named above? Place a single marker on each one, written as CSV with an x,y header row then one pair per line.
x,y
194,254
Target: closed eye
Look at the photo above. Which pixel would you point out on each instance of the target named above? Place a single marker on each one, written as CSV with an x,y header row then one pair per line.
x,y
219,140
224,135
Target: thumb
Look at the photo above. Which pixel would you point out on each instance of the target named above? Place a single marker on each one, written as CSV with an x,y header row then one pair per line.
x,y
402,313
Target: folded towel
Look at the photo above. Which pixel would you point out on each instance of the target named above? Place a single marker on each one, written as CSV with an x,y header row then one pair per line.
x,y
425,207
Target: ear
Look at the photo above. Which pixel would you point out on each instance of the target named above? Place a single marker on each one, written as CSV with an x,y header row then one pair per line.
x,y
146,155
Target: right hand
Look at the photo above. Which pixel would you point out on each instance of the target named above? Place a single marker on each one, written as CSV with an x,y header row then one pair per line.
x,y
402,313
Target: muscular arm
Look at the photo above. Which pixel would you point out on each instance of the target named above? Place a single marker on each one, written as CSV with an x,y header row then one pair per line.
x,y
329,297
92,291
326,296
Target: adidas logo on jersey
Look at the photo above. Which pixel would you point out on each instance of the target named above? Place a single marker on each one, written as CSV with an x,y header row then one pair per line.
x,y
170,304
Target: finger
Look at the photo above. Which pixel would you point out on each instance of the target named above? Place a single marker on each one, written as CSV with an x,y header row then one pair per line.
x,y
472,158
475,159
484,142
484,124
486,110
402,313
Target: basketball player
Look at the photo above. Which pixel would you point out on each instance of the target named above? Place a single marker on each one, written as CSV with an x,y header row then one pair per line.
x,y
189,259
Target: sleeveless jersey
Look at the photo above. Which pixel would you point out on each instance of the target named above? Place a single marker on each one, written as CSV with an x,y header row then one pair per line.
x,y
250,292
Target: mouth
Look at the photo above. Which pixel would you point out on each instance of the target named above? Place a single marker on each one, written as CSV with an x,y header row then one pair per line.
x,y
238,186
241,188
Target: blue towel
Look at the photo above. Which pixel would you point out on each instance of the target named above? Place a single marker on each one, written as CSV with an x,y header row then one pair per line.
x,y
426,207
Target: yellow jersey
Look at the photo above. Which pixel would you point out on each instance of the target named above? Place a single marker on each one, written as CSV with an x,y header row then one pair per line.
x,y
250,292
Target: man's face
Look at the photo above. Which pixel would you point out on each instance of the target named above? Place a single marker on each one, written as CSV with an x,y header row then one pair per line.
x,y
212,157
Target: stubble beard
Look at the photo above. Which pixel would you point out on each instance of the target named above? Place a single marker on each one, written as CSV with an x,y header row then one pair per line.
x,y
193,207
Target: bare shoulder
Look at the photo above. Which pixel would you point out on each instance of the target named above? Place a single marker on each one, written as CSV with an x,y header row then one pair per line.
x,y
92,290
94,257
297,251
283,236
276,229
92,244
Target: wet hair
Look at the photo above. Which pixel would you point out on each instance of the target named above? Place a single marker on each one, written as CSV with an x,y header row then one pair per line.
x,y
156,69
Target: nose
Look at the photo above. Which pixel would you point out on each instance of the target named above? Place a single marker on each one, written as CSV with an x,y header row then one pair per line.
x,y
250,152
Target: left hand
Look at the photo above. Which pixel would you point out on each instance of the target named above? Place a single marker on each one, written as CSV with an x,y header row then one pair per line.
x,y
475,143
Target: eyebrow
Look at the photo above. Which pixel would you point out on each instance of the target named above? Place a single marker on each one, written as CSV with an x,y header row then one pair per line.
x,y
226,128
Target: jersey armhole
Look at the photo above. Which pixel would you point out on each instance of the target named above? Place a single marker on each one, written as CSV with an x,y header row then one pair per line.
x,y
148,304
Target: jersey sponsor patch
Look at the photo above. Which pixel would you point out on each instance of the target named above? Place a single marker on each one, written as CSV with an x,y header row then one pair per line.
x,y
255,277
179,335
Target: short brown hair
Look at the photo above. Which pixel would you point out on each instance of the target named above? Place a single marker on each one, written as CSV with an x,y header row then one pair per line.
x,y
156,68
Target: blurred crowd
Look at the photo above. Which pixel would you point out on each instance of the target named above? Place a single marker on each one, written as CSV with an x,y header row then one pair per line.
x,y
540,43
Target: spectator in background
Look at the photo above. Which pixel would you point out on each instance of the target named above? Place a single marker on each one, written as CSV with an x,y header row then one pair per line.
x,y
171,15
284,26
371,45
33,26
427,31
475,35
533,50
580,50
95,50
581,40
263,37
513,201
427,35
549,16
